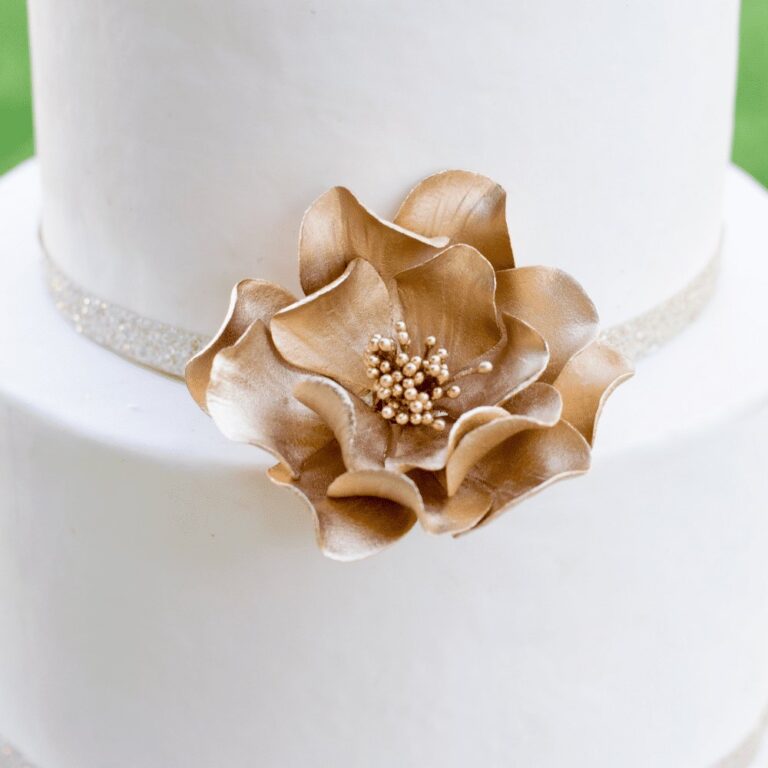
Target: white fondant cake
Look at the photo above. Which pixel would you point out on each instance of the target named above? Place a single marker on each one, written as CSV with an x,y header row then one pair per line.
x,y
162,605
181,141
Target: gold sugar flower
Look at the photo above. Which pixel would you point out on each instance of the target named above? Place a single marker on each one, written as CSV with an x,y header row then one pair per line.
x,y
422,377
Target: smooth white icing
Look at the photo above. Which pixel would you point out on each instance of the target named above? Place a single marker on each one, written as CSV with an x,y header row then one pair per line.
x,y
181,140
163,606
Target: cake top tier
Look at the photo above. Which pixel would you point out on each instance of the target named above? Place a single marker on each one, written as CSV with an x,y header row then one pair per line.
x,y
180,141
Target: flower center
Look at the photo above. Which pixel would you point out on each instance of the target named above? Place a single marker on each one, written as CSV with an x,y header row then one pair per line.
x,y
406,388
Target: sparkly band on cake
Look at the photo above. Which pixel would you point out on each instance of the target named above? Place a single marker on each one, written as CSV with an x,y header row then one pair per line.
x,y
161,346
643,334
167,348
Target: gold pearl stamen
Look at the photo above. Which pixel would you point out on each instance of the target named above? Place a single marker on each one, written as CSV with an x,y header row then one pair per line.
x,y
406,387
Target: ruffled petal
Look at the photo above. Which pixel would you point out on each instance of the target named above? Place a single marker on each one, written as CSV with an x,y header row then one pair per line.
x,y
337,229
251,300
538,407
424,448
380,483
451,297
250,399
327,332
467,207
346,528
586,382
417,446
555,305
529,462
360,431
518,359
450,514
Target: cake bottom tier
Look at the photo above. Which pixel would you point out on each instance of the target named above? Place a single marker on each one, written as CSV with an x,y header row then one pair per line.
x,y
162,605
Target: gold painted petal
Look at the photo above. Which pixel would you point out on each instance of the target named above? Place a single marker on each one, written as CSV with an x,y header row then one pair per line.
x,y
518,359
360,431
555,305
417,446
327,332
336,229
467,207
380,483
450,514
424,448
587,381
250,399
451,297
251,300
537,401
346,528
529,462
545,409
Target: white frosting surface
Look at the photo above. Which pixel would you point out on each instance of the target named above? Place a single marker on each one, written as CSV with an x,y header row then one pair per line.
x,y
162,605
181,140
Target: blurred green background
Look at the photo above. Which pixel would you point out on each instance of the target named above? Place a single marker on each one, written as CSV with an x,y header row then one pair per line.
x,y
15,101
750,141
750,149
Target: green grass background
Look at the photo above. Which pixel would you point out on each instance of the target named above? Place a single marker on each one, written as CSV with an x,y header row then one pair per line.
x,y
16,141
750,147
750,140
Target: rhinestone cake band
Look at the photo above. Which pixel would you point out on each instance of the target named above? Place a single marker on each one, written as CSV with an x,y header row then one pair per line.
x,y
167,348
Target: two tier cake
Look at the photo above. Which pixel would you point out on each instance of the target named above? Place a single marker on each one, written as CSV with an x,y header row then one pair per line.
x,y
163,605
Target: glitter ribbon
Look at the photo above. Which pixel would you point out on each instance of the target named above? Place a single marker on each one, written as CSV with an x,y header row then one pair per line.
x,y
167,348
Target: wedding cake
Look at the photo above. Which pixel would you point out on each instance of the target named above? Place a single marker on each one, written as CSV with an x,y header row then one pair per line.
x,y
164,605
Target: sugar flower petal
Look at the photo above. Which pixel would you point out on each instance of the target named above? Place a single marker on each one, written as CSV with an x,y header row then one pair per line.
x,y
539,408
586,382
518,359
360,431
337,229
419,447
529,462
250,400
450,514
426,449
555,305
346,528
538,400
467,207
327,332
251,300
380,483
451,297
